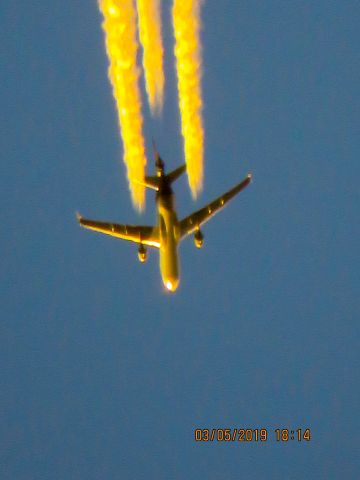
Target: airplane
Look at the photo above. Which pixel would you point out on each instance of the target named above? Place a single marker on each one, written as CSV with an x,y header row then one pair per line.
x,y
169,231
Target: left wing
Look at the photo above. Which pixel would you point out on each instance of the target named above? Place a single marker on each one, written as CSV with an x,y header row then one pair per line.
x,y
139,234
193,221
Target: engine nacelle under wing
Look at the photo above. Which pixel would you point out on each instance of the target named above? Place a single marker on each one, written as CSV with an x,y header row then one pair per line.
x,y
142,253
198,239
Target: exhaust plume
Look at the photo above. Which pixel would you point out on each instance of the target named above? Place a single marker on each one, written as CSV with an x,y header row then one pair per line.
x,y
121,46
153,51
186,21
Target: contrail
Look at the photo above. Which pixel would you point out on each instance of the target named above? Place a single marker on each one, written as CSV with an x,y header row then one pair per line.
x,y
121,46
153,51
186,20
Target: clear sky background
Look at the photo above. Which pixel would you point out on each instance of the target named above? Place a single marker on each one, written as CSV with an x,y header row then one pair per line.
x,y
103,375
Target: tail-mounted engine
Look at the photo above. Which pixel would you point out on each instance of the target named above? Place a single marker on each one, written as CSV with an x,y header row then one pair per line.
x,y
142,253
198,239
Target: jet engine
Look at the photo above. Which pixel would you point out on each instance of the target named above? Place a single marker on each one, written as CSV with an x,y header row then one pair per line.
x,y
198,239
142,254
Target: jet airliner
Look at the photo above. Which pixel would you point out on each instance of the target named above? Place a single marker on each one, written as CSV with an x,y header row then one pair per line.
x,y
169,231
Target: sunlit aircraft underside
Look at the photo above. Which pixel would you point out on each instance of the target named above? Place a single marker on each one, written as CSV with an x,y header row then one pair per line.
x,y
169,231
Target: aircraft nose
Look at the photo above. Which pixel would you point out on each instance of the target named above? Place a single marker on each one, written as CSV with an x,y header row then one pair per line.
x,y
171,284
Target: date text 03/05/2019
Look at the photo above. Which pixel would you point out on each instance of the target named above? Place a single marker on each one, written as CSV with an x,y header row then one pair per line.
x,y
252,434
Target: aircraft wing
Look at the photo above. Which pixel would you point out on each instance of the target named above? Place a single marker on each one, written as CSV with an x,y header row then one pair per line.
x,y
139,234
193,221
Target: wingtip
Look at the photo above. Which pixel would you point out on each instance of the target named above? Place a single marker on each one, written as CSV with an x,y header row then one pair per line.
x,y
250,176
78,216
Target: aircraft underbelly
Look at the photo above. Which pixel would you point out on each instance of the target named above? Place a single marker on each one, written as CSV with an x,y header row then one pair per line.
x,y
169,267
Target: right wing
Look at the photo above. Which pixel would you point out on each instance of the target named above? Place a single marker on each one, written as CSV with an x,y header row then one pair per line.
x,y
139,234
193,221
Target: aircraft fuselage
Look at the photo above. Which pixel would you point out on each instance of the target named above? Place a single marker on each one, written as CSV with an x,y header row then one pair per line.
x,y
169,231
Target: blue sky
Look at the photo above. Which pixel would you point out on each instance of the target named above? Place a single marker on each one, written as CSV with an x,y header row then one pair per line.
x,y
105,376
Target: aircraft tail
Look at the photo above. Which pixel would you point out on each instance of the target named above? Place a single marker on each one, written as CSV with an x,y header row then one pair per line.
x,y
153,181
159,164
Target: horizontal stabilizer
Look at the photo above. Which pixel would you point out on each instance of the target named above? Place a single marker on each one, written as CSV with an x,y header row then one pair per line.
x,y
175,174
